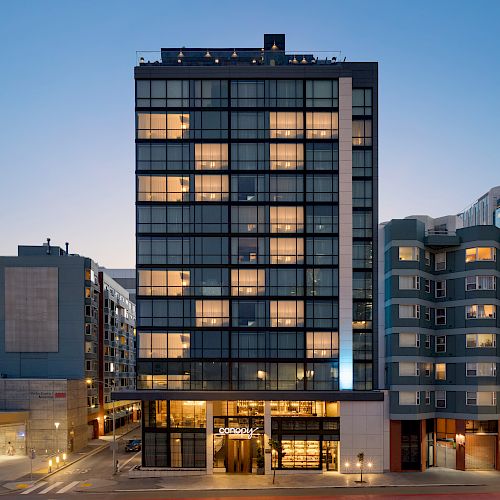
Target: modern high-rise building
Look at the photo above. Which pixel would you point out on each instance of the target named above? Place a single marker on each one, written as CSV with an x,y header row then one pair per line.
x,y
125,278
67,338
440,295
484,211
256,241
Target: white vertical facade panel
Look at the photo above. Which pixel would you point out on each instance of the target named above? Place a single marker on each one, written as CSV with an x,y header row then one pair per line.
x,y
345,234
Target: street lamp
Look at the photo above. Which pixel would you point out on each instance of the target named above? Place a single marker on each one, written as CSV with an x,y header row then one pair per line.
x,y
89,382
57,424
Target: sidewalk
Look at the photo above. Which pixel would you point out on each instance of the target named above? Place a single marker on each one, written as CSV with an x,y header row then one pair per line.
x,y
16,467
430,478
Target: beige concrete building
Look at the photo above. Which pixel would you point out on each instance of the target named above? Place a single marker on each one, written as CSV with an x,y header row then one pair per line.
x,y
48,415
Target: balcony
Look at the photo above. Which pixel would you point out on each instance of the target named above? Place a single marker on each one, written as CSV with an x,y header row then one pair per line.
x,y
441,238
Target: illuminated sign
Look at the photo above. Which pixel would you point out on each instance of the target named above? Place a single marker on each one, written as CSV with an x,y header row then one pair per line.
x,y
241,431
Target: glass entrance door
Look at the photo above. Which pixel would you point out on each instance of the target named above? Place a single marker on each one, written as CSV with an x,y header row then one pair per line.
x,y
330,455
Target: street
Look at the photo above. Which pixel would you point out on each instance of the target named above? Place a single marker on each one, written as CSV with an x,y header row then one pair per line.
x,y
93,475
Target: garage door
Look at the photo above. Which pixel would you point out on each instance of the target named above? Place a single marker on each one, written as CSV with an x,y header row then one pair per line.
x,y
480,452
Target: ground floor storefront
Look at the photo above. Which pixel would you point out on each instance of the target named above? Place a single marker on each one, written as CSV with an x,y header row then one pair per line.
x,y
125,414
255,436
441,442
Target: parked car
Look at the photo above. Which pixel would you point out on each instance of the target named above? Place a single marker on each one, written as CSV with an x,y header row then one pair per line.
x,y
133,445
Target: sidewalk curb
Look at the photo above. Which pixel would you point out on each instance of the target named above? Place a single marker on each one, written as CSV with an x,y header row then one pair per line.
x,y
295,487
90,454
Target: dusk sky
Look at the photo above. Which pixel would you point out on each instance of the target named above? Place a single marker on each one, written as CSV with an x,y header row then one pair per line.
x,y
66,98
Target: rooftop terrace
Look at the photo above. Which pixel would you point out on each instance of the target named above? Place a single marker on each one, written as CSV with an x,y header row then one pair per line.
x,y
273,53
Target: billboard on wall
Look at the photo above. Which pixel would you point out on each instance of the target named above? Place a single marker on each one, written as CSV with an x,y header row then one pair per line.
x,y
497,217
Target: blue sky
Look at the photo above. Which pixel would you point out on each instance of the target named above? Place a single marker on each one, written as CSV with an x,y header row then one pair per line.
x,y
66,101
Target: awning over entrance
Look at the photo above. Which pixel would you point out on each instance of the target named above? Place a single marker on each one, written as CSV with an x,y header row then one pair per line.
x,y
151,395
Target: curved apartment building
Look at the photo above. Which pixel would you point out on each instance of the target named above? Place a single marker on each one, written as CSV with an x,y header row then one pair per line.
x,y
441,327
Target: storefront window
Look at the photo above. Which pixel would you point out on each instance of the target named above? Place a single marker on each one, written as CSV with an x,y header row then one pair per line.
x,y
300,452
298,408
191,414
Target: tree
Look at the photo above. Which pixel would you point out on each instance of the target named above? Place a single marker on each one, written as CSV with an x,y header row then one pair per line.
x,y
361,462
277,452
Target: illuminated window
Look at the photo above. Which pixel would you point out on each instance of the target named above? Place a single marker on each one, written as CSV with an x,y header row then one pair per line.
x,y
161,188
211,187
440,371
481,311
161,282
322,125
286,250
408,253
287,219
361,132
212,313
164,345
286,125
481,340
322,344
287,313
177,125
480,253
248,282
151,126
286,156
210,156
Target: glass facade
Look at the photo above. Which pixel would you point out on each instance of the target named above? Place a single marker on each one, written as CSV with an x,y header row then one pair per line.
x,y
279,233
238,235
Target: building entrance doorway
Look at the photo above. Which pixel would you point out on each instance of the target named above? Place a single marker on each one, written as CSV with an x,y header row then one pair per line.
x,y
239,455
330,455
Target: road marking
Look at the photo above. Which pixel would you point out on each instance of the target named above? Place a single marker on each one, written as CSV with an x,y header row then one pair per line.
x,y
50,487
129,460
33,488
67,488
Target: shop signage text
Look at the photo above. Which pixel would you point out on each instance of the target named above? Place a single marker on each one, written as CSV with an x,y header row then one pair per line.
x,y
248,431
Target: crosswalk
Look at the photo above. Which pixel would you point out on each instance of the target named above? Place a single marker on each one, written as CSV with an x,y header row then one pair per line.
x,y
43,487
